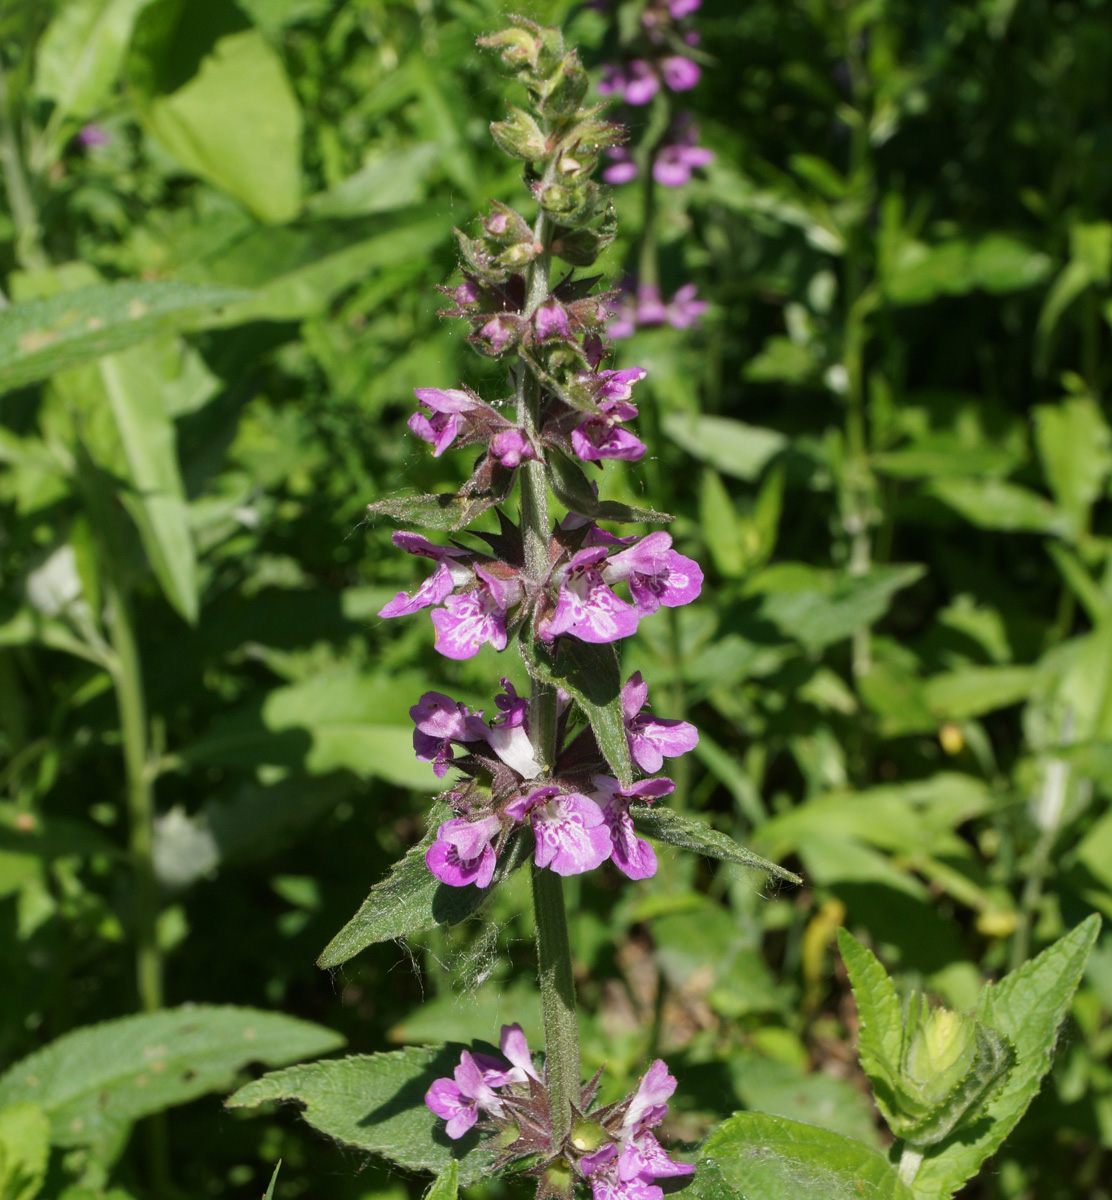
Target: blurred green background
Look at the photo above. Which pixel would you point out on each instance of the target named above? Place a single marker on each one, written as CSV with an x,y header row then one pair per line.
x,y
887,444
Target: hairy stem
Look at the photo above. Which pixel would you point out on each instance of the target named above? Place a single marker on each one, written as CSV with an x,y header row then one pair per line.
x,y
561,1026
910,1160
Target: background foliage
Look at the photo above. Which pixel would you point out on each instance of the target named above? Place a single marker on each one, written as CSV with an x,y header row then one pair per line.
x,y
887,443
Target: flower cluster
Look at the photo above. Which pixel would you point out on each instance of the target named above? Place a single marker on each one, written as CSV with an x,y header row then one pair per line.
x,y
641,306
478,598
579,816
613,1148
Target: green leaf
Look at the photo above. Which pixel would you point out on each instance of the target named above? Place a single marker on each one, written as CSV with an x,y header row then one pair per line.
x,y
818,610
40,337
269,1193
158,504
994,504
1075,445
880,1022
376,1102
390,181
591,674
732,447
974,691
236,124
411,899
718,517
446,1185
1027,1007
918,272
445,511
95,1082
575,493
754,1156
667,825
80,55
24,1150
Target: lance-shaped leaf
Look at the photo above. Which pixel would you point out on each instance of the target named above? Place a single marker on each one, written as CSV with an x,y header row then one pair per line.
x,y
444,511
755,1155
446,1185
667,825
269,1194
1027,1007
95,1082
40,337
574,491
591,675
411,900
376,1102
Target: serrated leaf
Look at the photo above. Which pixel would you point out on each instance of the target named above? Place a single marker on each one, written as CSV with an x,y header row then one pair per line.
x,y
667,825
376,1102
755,1155
95,1082
24,1150
40,337
408,901
880,1022
444,511
591,674
1027,1007
572,488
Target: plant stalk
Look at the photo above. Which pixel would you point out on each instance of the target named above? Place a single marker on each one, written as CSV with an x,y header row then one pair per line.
x,y
127,679
910,1161
28,231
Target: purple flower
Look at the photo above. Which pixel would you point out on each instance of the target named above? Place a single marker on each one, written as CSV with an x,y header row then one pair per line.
x,y
508,735
673,164
463,852
585,607
551,320
680,73
516,1049
449,574
635,83
684,309
458,1100
600,436
511,448
622,168
632,856
644,307
656,574
440,720
496,334
569,828
652,738
93,135
446,407
683,8
468,620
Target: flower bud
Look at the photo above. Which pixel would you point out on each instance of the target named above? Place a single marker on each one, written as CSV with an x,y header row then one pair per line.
x,y
520,136
562,89
941,1045
519,47
558,1178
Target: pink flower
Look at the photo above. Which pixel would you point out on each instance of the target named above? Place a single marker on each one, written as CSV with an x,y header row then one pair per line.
x,y
569,828
551,320
458,1100
636,83
468,620
511,448
656,574
585,606
600,436
680,73
652,738
441,721
622,168
442,426
679,156
684,310
632,856
449,574
508,735
463,851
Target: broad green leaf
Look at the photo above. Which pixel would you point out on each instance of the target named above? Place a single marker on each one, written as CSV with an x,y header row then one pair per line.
x,y
1075,445
723,530
728,445
236,124
974,691
446,511
376,1102
918,273
1027,1007
80,55
994,504
40,337
880,1022
754,1156
446,1185
408,901
782,361
394,180
95,1082
24,1150
821,610
158,504
575,493
667,825
592,676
